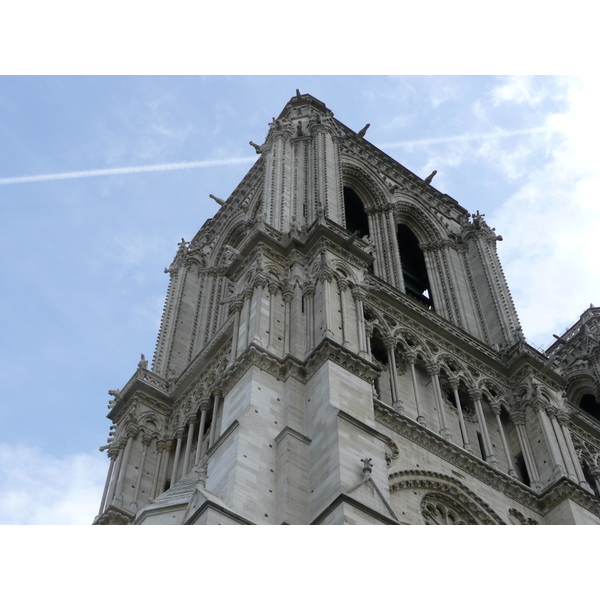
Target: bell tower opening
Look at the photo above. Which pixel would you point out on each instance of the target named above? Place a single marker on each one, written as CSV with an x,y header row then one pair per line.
x,y
414,269
590,406
354,209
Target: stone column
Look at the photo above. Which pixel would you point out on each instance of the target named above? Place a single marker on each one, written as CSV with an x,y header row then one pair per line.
x,y
454,382
563,420
397,276
497,409
204,405
131,434
259,283
112,454
178,436
273,288
215,416
342,287
188,446
557,467
368,334
288,296
359,296
390,344
433,371
518,418
412,361
475,394
379,250
551,412
160,448
236,307
117,470
168,446
326,281
309,298
146,439
248,302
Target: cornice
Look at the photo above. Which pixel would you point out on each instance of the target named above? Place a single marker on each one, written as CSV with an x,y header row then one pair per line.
x,y
289,366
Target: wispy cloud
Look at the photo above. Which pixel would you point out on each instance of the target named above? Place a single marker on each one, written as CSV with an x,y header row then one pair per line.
x,y
465,138
38,489
128,170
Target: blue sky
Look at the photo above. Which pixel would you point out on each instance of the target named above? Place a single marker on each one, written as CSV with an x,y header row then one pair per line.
x,y
83,282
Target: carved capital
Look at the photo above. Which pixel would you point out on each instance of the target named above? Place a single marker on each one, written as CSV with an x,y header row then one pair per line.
x,y
236,305
309,290
495,406
205,404
132,430
342,285
287,296
562,418
359,294
551,411
411,357
179,432
538,404
475,394
113,451
518,417
454,382
161,445
146,439
389,341
433,369
273,288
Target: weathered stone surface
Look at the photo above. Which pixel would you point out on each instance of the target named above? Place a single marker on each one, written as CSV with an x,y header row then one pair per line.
x,y
339,346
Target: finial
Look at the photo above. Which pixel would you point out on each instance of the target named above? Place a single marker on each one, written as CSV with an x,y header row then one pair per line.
x,y
298,94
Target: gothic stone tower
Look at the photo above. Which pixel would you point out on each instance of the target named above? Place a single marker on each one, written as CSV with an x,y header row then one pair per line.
x,y
339,345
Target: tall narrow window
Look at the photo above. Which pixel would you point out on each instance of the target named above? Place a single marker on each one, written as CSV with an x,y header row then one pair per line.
x,y
414,269
356,217
590,406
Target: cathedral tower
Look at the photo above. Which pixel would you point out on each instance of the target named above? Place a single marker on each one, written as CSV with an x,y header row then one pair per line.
x,y
339,345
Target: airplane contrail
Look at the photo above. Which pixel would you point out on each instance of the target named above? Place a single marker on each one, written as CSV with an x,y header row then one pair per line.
x,y
465,138
127,170
234,161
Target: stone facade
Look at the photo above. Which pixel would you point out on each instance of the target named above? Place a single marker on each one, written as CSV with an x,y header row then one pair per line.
x,y
339,345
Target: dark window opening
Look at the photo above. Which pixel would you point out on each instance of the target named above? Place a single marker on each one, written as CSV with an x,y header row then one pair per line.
x,y
590,406
379,351
522,470
356,217
414,270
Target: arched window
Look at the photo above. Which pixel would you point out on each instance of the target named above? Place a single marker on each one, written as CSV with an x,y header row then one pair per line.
x,y
414,269
356,217
590,406
437,509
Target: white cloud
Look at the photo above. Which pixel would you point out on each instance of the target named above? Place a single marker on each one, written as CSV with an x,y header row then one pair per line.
x,y
39,489
521,89
552,224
